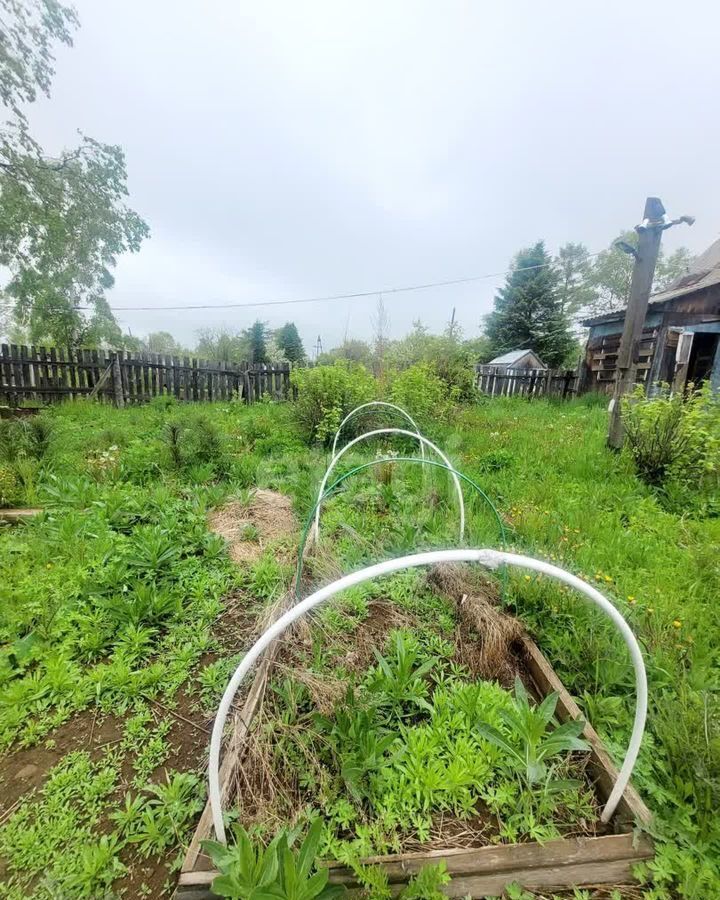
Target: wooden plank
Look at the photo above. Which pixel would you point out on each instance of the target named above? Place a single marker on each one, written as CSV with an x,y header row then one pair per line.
x,y
483,871
36,373
102,380
69,370
194,858
98,368
17,375
5,372
187,386
604,770
18,515
26,379
175,362
54,372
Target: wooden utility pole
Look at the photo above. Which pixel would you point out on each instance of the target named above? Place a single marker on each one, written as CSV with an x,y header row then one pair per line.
x,y
646,254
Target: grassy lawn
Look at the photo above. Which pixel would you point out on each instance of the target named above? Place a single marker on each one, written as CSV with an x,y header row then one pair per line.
x,y
122,614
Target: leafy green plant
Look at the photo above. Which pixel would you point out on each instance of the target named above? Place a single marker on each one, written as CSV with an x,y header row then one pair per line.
x,y
276,872
530,744
655,436
397,682
143,604
167,814
422,393
326,394
359,742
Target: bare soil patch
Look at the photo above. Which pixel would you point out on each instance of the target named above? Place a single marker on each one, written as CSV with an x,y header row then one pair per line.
x,y
249,528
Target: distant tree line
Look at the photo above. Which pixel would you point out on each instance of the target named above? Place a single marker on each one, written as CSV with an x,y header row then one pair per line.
x,y
545,298
256,344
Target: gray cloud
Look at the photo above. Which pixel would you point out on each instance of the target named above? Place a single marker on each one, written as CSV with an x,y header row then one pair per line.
x,y
298,149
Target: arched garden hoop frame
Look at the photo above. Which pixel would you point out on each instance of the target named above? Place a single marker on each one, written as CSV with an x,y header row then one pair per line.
x,y
377,462
369,434
489,558
384,403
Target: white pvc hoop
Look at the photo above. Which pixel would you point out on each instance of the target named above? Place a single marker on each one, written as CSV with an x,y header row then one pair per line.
x,y
378,403
368,434
490,558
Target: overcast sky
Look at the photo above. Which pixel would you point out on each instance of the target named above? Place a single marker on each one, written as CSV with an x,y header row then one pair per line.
x,y
282,150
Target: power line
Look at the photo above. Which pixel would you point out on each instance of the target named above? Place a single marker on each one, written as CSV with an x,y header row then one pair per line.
x,y
355,295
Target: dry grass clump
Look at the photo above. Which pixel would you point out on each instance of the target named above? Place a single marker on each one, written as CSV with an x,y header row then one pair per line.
x,y
486,635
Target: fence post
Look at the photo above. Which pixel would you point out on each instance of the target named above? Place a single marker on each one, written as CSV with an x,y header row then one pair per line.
x,y
117,382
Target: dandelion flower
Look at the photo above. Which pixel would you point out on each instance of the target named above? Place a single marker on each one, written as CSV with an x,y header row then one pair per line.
x,y
677,623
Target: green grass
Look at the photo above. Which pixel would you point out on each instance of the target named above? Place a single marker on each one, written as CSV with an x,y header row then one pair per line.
x,y
108,602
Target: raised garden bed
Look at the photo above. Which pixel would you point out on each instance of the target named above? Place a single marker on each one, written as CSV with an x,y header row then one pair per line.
x,y
603,856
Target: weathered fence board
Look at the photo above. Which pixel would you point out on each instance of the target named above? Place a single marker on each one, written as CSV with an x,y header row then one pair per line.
x,y
499,381
42,375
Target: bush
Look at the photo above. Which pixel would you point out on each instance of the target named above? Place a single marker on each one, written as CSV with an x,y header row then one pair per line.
x,y
326,394
654,435
421,392
676,438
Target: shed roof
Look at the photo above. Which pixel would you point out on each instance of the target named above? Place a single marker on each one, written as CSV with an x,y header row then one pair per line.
x,y
703,272
508,358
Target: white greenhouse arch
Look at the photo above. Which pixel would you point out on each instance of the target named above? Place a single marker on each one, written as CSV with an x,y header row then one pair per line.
x,y
489,558
384,403
368,434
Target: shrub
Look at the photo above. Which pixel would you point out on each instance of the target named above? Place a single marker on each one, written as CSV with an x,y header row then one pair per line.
x,y
326,394
421,392
654,435
676,438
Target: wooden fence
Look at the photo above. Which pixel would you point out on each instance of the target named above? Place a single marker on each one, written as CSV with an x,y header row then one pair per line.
x,y
42,375
497,381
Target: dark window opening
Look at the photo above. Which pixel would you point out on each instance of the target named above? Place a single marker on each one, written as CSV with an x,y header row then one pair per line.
x,y
702,356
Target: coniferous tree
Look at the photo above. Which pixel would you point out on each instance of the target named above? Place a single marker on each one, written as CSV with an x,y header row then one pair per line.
x,y
528,312
289,342
256,336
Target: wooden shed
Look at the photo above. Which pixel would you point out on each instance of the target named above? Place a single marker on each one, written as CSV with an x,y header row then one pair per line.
x,y
518,359
681,336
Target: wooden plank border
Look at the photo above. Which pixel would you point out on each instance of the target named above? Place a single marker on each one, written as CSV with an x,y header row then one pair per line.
x,y
480,871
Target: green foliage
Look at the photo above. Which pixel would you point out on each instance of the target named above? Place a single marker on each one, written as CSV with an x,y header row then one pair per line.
x,y
63,226
528,726
610,276
422,393
29,30
397,683
449,357
276,872
197,442
162,342
423,886
256,336
352,350
674,441
326,394
222,345
654,433
528,312
392,767
289,342
64,221
575,291
165,816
